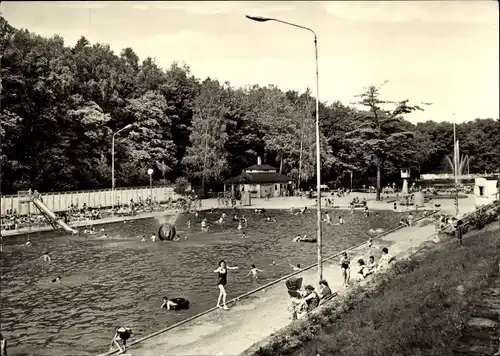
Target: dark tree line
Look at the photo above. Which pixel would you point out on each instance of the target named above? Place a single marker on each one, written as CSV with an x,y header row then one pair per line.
x,y
61,105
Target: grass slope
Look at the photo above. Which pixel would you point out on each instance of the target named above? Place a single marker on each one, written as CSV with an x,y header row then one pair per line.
x,y
414,309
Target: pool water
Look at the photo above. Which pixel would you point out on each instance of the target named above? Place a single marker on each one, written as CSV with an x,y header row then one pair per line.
x,y
121,280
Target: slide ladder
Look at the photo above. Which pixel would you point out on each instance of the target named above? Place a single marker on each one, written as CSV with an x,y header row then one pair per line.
x,y
50,216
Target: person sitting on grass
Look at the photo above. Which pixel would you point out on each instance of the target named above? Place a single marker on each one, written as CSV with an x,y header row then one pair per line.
x,y
363,270
372,264
324,289
310,301
385,259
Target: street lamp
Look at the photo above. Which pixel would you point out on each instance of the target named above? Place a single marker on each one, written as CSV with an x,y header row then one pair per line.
x,y
113,167
318,151
150,173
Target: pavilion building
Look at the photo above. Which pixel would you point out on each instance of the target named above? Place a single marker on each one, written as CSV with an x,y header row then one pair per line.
x,y
259,181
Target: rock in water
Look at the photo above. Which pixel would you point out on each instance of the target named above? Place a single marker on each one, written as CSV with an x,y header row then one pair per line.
x,y
166,232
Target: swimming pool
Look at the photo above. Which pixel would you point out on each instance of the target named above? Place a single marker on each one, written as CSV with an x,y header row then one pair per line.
x,y
121,280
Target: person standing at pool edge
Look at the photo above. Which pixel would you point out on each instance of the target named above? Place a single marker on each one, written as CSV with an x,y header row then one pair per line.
x,y
344,266
221,282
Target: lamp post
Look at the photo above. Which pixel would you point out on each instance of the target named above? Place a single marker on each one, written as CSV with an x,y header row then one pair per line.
x,y
113,167
150,173
318,150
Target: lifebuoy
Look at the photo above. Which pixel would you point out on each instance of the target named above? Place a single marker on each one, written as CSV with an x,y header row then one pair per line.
x,y
181,304
166,232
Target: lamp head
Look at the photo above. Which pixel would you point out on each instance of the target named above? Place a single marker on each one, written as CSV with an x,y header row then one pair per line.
x,y
258,18
150,171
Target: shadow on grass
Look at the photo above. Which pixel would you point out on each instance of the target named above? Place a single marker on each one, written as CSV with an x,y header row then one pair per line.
x,y
416,308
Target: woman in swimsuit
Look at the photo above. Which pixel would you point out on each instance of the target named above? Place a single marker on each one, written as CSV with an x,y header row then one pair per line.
x,y
344,266
221,282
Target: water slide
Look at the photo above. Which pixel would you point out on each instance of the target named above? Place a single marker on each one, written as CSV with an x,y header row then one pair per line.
x,y
40,205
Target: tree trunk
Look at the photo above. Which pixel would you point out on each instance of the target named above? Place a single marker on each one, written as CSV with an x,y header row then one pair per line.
x,y
379,178
281,164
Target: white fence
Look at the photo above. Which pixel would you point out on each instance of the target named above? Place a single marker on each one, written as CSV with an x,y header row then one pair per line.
x,y
60,201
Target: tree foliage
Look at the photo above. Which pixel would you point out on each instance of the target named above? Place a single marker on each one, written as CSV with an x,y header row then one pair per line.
x,y
61,105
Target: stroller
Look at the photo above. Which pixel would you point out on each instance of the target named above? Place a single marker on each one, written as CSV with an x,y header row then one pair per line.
x,y
294,285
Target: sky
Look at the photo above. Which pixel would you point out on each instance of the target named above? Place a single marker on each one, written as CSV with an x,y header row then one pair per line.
x,y
440,52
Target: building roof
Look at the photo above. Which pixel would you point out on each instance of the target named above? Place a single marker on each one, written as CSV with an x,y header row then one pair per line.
x,y
257,178
260,167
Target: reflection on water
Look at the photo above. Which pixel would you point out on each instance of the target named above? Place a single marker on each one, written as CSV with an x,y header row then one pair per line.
x,y
121,280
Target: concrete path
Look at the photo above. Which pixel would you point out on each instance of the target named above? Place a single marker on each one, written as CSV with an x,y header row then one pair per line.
x,y
258,316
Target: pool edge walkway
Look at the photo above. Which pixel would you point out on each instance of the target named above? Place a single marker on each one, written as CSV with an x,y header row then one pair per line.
x,y
253,319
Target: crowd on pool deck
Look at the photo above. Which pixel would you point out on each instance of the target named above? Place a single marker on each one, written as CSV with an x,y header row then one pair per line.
x,y
75,213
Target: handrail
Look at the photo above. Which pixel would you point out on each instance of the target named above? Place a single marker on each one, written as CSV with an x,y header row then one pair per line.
x,y
173,326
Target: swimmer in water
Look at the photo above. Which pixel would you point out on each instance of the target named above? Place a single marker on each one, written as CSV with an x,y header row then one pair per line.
x,y
221,220
45,257
105,236
240,226
176,238
224,215
153,237
244,235
341,220
297,238
102,230
296,268
204,225
57,279
188,224
143,239
167,304
328,219
254,272
244,220
367,212
28,243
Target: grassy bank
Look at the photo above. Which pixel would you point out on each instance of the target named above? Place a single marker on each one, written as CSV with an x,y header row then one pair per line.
x,y
416,308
